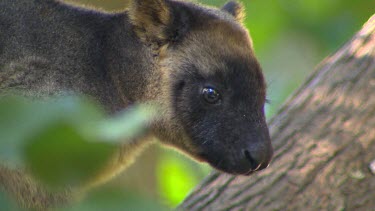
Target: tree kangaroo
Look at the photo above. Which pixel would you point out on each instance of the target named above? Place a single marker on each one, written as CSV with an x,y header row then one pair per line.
x,y
196,62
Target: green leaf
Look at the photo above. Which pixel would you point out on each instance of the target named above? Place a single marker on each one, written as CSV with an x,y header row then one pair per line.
x,y
66,140
21,118
126,125
60,155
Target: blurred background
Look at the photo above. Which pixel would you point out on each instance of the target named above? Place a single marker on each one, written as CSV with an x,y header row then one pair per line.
x,y
290,38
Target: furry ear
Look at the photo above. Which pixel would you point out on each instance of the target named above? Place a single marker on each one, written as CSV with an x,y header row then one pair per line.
x,y
236,9
156,23
150,19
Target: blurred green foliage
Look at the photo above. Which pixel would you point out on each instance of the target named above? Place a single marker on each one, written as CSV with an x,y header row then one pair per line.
x,y
66,140
176,176
176,179
290,38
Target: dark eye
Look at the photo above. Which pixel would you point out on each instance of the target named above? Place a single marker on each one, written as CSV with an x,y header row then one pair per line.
x,y
210,95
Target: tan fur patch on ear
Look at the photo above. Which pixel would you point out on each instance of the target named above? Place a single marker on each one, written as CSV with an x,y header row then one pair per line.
x,y
150,19
236,9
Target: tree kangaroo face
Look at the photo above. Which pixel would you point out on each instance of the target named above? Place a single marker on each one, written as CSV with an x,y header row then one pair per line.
x,y
217,93
213,89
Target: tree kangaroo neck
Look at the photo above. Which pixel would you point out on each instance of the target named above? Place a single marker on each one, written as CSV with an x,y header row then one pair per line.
x,y
132,65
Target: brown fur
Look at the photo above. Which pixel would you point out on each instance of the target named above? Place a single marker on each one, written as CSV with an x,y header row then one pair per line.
x,y
29,193
236,9
150,19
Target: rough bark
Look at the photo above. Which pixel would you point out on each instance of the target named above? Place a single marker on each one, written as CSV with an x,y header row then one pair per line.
x,y
324,141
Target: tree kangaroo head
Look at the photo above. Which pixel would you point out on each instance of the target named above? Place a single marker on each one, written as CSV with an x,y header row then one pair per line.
x,y
212,87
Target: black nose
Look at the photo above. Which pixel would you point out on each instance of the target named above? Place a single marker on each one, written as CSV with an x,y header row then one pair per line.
x,y
257,160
